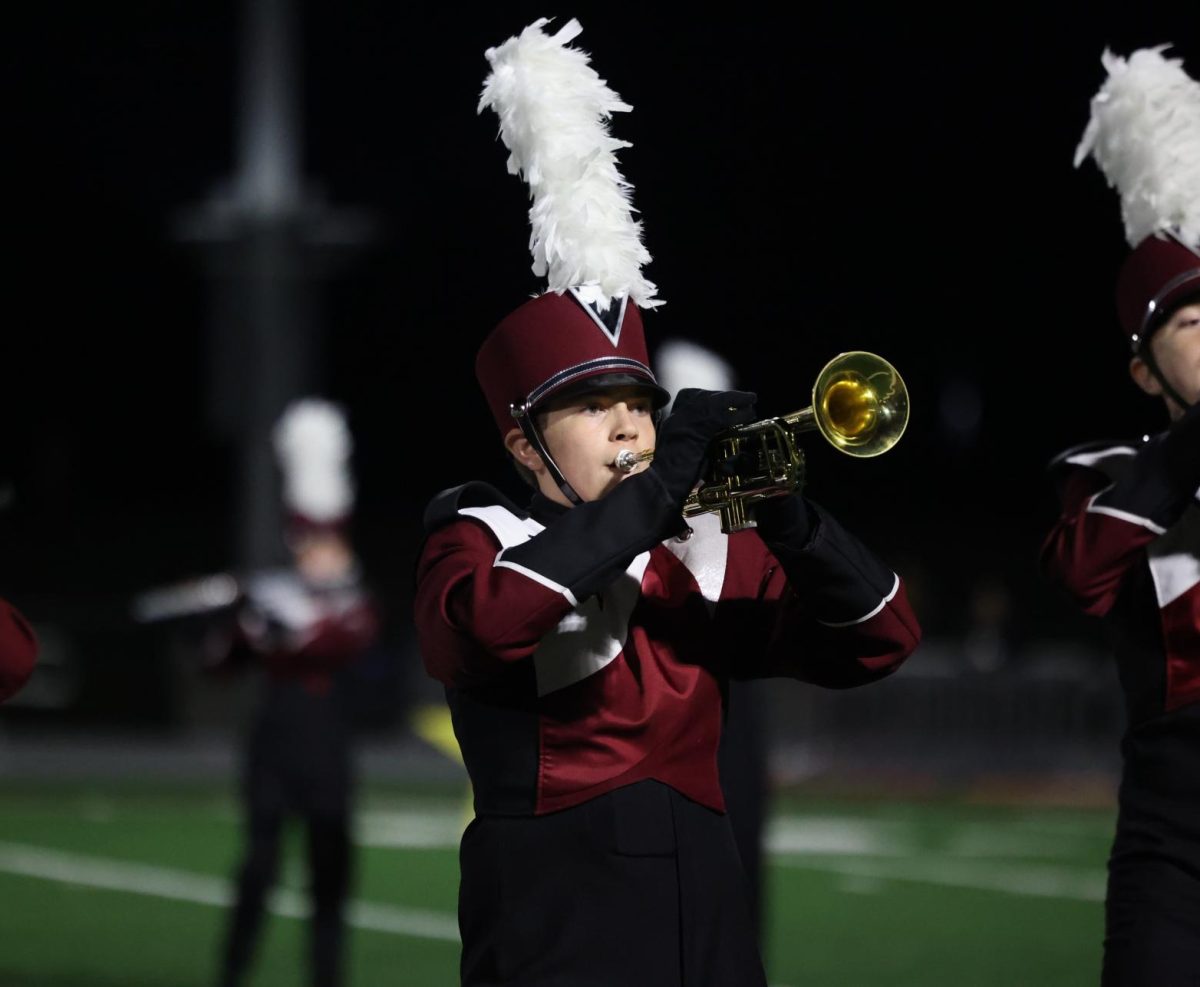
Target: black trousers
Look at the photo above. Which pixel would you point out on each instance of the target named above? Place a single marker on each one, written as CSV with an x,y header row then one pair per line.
x,y
742,760
297,766
1152,923
637,887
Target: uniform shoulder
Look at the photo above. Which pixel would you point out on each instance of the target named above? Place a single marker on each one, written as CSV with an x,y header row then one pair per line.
x,y
1107,456
445,507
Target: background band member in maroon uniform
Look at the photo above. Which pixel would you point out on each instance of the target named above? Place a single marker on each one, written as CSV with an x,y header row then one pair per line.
x,y
1127,544
18,650
586,640
303,624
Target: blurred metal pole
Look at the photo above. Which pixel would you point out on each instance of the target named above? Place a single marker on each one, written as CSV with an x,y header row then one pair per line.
x,y
267,241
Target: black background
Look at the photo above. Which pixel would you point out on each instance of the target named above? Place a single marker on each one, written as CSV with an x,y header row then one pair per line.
x,y
814,179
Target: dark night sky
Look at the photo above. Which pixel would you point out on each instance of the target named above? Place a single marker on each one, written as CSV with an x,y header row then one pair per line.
x,y
819,179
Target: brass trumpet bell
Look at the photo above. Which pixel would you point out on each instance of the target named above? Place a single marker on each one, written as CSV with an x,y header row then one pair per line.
x,y
860,406
859,403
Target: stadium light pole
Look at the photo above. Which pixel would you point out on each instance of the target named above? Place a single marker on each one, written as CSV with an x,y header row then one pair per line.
x,y
267,241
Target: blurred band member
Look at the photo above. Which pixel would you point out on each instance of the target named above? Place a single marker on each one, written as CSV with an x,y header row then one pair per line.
x,y
303,624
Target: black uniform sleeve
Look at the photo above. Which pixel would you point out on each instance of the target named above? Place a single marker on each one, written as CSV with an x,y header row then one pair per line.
x,y
839,576
1163,477
589,546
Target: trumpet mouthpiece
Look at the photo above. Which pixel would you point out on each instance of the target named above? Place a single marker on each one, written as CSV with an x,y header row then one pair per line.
x,y
627,459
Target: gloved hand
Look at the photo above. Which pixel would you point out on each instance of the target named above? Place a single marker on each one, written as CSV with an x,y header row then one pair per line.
x,y
785,520
683,440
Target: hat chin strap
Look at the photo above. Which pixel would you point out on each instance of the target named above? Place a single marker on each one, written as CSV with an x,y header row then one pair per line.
x,y
524,417
1147,355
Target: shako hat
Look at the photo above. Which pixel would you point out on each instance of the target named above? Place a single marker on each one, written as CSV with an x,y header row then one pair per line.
x,y
312,445
1144,134
585,331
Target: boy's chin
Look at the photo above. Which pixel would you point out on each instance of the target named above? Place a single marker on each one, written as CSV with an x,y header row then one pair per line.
x,y
612,484
608,484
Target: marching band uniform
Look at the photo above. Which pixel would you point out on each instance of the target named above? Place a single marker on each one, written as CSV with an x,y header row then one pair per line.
x,y
1127,543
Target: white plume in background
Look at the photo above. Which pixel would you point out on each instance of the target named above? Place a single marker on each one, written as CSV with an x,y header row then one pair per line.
x,y
679,364
313,444
554,111
1145,135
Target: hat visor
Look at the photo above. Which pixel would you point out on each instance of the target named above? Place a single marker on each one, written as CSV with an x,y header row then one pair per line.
x,y
1187,293
608,381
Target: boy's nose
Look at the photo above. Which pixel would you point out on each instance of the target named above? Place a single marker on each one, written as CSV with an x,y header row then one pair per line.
x,y
624,423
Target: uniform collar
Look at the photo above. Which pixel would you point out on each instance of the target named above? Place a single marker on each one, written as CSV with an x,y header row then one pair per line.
x,y
544,510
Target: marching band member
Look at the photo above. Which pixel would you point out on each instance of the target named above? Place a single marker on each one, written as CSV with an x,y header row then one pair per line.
x,y
303,624
586,639
1127,543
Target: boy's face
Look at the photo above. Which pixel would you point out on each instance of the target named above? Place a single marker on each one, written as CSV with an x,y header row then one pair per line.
x,y
1176,347
584,433
322,556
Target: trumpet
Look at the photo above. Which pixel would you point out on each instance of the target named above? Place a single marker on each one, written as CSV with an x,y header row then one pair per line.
x,y
860,406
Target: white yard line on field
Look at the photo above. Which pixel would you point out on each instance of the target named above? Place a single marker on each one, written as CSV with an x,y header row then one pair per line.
x,y
203,889
841,836
1032,881
415,828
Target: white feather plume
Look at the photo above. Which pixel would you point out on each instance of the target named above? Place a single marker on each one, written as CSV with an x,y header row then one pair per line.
x,y
1144,133
679,364
554,111
313,444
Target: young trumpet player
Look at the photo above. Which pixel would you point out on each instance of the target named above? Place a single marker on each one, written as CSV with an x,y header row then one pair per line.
x,y
1127,543
586,639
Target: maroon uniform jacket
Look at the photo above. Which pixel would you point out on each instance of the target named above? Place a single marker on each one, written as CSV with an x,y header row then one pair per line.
x,y
18,650
1127,547
575,666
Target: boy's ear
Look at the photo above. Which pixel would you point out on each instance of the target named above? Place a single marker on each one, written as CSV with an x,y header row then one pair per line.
x,y
522,451
1144,379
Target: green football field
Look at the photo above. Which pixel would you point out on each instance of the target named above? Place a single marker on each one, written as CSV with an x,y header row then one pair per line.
x,y
127,885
